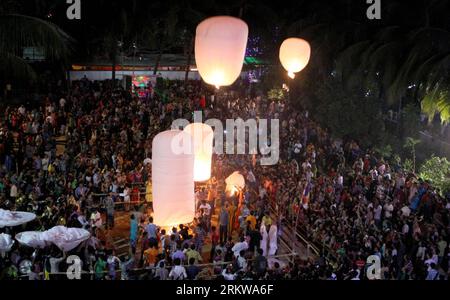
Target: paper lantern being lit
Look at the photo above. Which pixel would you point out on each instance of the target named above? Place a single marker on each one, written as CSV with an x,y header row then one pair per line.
x,y
235,182
294,55
202,135
172,180
220,44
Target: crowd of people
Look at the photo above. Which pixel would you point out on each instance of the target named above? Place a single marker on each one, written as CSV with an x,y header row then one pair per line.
x,y
346,201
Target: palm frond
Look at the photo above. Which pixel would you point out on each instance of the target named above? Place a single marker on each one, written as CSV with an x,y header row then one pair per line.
x,y
348,63
436,101
18,31
16,67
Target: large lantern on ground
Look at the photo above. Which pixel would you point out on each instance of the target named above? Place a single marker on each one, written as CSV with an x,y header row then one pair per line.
x,y
202,137
173,179
294,55
220,44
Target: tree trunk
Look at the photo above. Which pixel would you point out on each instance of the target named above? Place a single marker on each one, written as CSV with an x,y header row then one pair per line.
x,y
241,9
188,62
114,63
399,118
158,60
427,14
68,82
114,71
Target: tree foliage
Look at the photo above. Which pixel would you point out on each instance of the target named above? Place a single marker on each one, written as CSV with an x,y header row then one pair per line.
x,y
276,94
18,31
348,113
436,170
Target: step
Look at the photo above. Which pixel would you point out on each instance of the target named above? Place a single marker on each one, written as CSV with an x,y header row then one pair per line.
x,y
120,241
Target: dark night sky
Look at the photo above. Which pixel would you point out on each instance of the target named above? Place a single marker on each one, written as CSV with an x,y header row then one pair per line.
x,y
99,16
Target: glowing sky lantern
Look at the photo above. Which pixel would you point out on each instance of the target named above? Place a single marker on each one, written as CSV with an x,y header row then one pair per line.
x,y
173,180
294,55
235,182
203,136
220,44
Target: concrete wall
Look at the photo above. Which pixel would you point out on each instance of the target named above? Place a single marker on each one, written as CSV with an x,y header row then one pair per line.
x,y
102,75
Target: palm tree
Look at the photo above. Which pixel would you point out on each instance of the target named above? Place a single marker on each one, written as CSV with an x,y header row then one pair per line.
x,y
18,31
401,61
404,57
187,24
115,34
410,144
384,151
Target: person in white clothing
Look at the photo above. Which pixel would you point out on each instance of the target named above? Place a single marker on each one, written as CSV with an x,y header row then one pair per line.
x,y
228,274
96,219
388,209
127,197
205,207
13,191
178,272
406,211
273,241
264,235
238,247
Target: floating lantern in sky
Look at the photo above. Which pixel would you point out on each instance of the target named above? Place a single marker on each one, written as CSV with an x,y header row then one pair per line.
x,y
294,55
220,44
202,135
172,179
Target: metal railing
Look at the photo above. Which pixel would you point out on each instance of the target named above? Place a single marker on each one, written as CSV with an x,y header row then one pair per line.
x,y
297,236
151,268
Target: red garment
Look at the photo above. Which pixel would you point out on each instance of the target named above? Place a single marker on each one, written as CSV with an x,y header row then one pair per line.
x,y
202,102
215,237
130,177
320,181
345,196
137,177
13,121
366,165
135,195
360,263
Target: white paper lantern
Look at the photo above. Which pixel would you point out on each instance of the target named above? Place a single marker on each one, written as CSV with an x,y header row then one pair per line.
x,y
66,238
203,136
34,239
235,182
220,44
6,243
63,237
294,55
173,180
15,218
